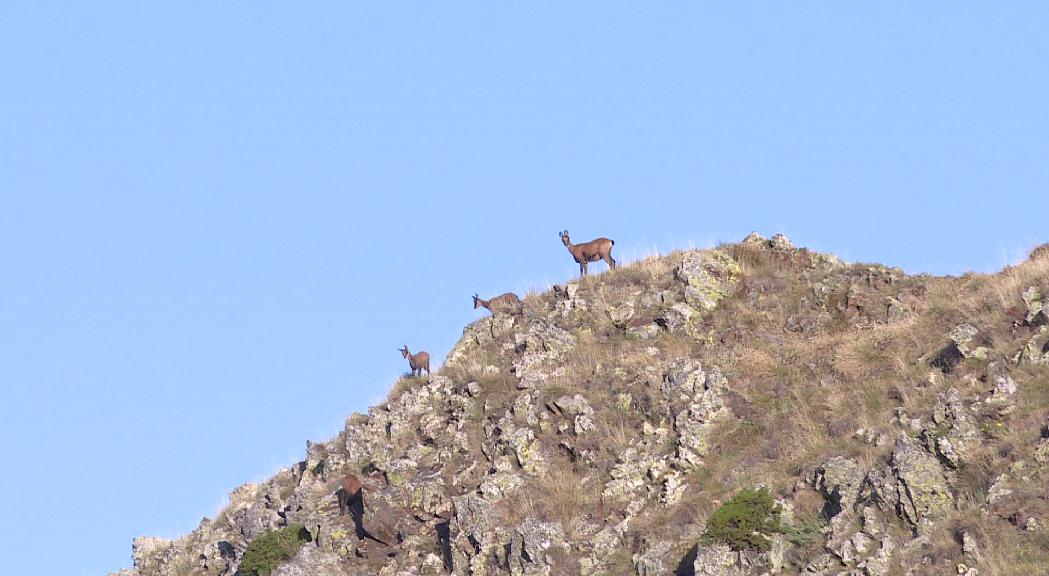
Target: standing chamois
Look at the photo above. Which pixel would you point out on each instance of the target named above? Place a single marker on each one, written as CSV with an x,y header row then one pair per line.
x,y
419,361
350,495
508,302
351,501
592,251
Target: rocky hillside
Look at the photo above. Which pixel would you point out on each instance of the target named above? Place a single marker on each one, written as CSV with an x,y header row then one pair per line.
x,y
750,409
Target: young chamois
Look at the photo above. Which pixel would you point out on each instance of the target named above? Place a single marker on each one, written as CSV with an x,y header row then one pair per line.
x,y
419,361
592,251
508,302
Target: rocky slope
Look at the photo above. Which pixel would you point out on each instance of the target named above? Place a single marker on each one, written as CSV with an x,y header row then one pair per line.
x,y
899,422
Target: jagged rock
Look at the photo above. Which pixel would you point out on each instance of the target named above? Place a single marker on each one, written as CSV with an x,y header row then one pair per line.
x,y
525,410
311,561
628,475
1034,302
969,546
754,238
568,298
954,433
999,489
921,487
963,336
709,276
621,314
644,328
540,345
878,564
716,560
1041,453
578,409
780,242
530,545
479,334
654,561
529,452
674,487
1036,351
502,480
695,422
679,316
477,536
839,480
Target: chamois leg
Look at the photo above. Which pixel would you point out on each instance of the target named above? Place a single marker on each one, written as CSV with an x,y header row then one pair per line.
x,y
582,268
357,513
342,496
611,262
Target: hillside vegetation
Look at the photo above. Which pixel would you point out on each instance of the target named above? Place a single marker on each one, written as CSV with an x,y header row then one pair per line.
x,y
750,409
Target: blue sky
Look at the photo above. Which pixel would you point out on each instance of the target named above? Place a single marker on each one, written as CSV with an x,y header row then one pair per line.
x,y
218,221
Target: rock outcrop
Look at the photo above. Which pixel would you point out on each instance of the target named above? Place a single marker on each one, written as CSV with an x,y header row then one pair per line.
x,y
596,430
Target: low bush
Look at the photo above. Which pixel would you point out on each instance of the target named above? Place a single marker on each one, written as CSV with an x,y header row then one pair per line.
x,y
746,521
267,552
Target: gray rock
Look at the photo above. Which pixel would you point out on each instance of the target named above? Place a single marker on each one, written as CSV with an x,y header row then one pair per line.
x,y
781,242
716,560
839,480
679,316
311,561
755,238
921,488
954,434
621,314
1034,301
654,561
709,276
530,547
963,336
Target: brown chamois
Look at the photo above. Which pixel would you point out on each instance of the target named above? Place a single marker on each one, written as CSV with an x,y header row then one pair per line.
x,y
508,302
419,361
351,501
592,251
349,493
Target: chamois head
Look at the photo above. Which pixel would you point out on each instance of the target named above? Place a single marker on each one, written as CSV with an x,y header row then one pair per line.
x,y
403,351
564,237
477,301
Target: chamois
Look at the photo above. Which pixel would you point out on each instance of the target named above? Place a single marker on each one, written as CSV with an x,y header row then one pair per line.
x,y
351,501
349,494
508,302
592,251
419,361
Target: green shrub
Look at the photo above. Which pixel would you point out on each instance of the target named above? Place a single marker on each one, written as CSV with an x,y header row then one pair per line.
x,y
746,521
272,549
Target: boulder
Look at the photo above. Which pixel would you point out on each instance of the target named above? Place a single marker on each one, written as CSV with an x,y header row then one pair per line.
x,y
530,545
921,486
654,561
716,560
708,275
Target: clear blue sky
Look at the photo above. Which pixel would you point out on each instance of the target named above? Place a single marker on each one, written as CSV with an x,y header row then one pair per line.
x,y
218,220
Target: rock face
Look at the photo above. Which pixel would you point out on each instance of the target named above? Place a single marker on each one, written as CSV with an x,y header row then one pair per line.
x,y
597,428
709,276
921,486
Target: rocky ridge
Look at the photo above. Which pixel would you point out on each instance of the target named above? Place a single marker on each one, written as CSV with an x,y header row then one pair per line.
x,y
899,421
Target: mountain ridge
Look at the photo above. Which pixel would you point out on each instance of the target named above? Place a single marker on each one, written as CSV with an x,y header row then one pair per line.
x,y
896,422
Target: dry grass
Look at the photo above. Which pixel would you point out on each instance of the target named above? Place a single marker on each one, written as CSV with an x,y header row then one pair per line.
x,y
1010,283
563,496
